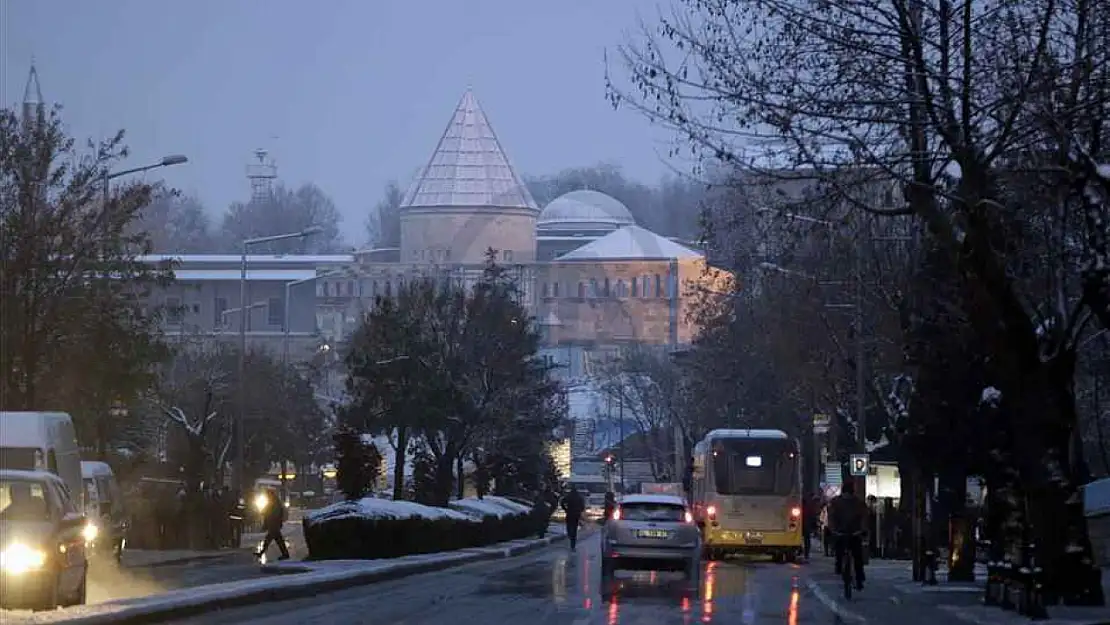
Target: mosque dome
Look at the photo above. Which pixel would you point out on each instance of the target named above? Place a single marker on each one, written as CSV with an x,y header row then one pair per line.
x,y
584,210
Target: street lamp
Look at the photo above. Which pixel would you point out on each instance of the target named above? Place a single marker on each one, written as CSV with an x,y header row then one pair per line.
x,y
167,161
285,317
240,446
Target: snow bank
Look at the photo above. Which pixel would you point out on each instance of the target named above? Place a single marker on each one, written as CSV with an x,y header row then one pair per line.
x,y
516,507
374,508
478,508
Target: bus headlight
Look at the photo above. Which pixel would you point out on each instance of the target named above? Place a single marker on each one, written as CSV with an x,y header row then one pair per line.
x,y
17,559
90,532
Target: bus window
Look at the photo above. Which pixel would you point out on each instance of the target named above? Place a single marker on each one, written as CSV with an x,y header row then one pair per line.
x,y
754,467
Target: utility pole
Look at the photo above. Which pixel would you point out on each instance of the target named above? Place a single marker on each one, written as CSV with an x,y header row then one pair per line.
x,y
861,404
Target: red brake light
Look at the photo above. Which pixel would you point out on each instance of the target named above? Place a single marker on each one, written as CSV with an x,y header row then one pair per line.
x,y
711,511
689,517
616,514
795,512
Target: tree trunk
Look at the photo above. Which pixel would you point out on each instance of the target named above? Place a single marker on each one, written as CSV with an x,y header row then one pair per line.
x,y
444,479
399,456
1055,505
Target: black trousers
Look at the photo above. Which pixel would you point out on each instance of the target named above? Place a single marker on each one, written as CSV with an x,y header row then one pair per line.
x,y
572,530
275,536
855,543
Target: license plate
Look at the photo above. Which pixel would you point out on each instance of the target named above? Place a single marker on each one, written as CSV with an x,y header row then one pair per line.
x,y
652,534
754,539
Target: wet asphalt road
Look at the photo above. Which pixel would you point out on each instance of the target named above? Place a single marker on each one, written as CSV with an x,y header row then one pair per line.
x,y
554,587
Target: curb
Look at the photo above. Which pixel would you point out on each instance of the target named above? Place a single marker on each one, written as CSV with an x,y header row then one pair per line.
x,y
293,588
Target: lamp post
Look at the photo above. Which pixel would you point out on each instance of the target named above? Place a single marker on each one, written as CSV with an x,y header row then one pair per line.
x,y
167,161
240,446
285,317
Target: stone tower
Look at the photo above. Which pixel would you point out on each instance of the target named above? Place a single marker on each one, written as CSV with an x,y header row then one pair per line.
x,y
468,199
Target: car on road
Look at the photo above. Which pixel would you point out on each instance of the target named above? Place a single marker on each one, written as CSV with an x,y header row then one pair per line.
x,y
651,532
43,539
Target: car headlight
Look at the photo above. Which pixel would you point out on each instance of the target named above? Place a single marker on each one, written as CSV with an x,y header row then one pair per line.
x,y
260,502
18,558
90,532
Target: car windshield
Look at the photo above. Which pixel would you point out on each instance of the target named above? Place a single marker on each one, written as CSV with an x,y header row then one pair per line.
x,y
23,500
754,466
661,512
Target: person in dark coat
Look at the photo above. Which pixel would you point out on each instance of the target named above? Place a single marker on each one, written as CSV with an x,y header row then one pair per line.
x,y
573,505
811,509
272,520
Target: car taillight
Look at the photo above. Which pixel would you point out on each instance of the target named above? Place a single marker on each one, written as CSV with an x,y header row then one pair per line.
x,y
711,511
795,512
689,517
616,514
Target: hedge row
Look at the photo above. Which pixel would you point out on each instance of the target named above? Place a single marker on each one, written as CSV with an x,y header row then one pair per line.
x,y
353,537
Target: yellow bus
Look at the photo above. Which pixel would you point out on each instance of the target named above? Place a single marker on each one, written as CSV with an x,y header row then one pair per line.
x,y
746,492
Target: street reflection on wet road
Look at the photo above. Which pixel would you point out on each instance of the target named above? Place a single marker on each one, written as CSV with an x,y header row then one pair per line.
x,y
557,587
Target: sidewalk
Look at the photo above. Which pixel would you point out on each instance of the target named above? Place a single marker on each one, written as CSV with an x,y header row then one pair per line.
x,y
891,595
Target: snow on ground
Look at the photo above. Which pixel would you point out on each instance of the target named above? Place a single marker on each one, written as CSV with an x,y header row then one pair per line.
x,y
482,507
374,508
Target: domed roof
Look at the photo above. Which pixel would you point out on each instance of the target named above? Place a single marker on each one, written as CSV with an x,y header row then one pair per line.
x,y
584,210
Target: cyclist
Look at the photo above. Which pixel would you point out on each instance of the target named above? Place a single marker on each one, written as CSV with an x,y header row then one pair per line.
x,y
848,520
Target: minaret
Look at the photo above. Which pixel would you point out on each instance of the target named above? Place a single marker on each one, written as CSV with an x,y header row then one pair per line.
x,y
262,174
34,108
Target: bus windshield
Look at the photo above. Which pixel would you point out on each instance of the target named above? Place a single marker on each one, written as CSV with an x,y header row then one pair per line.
x,y
590,488
746,466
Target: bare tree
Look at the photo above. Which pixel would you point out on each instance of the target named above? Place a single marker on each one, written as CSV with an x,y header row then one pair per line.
x,y
942,100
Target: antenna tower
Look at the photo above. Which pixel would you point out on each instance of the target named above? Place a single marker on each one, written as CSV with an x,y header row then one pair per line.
x,y
261,173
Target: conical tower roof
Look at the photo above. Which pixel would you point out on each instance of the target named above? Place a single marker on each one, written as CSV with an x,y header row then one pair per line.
x,y
469,168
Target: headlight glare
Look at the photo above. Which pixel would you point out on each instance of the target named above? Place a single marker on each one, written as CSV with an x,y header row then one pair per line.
x,y
90,532
18,558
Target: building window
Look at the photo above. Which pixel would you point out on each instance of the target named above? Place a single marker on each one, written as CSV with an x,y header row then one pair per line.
x,y
507,256
582,290
607,292
175,312
218,312
546,289
275,313
595,290
350,288
658,285
635,287
447,254
388,289
622,289
554,289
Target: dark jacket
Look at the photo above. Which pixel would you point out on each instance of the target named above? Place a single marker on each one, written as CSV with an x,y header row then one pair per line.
x,y
847,514
574,505
275,515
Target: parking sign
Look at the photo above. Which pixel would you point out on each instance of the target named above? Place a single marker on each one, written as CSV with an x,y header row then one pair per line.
x,y
859,464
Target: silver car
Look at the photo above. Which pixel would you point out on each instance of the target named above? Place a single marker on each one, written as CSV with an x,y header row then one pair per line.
x,y
651,532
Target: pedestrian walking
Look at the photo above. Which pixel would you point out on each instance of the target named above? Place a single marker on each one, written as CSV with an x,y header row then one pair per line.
x,y
573,505
272,520
811,509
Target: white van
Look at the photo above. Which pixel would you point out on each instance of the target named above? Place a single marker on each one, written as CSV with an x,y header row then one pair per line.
x,y
43,441
104,507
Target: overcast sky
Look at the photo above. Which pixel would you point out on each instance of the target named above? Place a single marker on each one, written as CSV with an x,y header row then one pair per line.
x,y
344,93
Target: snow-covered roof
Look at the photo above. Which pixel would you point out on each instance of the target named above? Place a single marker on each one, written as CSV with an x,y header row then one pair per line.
x,y
469,167
584,210
630,243
252,259
279,275
666,500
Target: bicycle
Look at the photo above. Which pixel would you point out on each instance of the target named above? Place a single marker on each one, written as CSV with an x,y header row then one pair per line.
x,y
847,565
